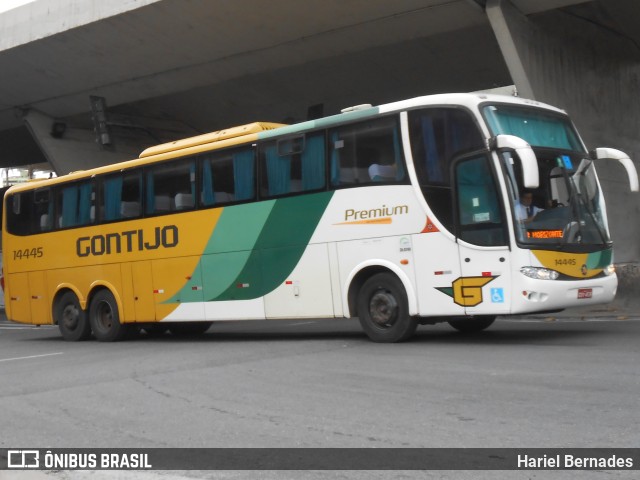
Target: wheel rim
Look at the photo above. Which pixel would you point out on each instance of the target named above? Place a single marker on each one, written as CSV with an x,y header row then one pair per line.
x,y
383,309
103,316
71,317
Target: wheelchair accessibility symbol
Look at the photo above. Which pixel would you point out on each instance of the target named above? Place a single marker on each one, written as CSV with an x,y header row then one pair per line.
x,y
497,295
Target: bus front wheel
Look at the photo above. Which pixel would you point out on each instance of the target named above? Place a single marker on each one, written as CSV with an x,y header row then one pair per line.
x,y
383,309
472,324
105,319
71,319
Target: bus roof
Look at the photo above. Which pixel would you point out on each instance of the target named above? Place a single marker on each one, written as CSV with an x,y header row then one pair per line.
x,y
210,138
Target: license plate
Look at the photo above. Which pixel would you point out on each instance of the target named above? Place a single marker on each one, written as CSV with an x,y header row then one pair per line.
x,y
585,293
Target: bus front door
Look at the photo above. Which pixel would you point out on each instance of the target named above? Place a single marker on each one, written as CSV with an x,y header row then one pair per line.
x,y
483,287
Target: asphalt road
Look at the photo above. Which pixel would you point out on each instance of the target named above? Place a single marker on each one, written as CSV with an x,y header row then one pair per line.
x,y
308,383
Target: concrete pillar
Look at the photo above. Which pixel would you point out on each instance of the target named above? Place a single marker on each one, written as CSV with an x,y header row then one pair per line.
x,y
506,23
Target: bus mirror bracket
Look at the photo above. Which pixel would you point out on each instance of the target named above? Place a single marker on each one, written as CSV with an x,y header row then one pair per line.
x,y
524,153
623,158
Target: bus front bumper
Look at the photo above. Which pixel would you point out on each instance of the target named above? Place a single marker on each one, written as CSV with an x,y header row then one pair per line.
x,y
548,295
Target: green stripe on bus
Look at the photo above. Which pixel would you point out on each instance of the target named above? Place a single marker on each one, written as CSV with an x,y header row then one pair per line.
x,y
599,259
254,247
239,227
279,247
227,252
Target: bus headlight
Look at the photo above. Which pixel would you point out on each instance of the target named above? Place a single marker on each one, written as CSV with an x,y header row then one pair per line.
x,y
539,273
609,269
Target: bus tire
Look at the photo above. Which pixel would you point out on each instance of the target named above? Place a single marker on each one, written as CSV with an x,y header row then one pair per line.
x,y
71,319
383,309
187,329
472,324
105,319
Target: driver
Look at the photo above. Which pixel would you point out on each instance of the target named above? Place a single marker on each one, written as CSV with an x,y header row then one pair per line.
x,y
525,210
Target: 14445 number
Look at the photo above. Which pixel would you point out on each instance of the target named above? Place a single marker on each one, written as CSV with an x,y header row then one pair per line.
x,y
566,261
28,253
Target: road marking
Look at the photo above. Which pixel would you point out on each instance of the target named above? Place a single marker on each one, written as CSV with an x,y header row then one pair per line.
x,y
30,356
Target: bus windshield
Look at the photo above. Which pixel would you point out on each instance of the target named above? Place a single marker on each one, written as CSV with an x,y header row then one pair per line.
x,y
540,128
568,207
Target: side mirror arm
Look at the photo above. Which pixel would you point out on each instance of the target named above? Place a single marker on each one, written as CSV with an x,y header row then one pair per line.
x,y
524,153
623,158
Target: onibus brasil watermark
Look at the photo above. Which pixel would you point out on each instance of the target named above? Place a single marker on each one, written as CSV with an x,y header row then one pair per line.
x,y
34,459
320,458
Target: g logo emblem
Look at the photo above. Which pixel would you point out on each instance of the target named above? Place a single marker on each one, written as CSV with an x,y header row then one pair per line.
x,y
467,291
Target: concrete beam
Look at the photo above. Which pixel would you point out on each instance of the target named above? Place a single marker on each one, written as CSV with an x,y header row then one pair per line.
x,y
44,18
169,46
76,149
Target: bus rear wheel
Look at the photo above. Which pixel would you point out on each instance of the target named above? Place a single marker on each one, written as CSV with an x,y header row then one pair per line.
x,y
71,319
383,309
472,324
105,319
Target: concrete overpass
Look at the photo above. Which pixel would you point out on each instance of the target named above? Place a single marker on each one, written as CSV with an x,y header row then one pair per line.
x,y
171,68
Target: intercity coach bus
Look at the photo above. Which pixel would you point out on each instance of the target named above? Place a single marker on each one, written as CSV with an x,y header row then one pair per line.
x,y
401,214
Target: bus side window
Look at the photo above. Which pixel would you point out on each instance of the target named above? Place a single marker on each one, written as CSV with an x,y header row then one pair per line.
x,y
228,176
170,186
121,196
28,212
43,210
15,215
218,186
276,171
130,206
244,174
292,165
366,152
312,162
74,204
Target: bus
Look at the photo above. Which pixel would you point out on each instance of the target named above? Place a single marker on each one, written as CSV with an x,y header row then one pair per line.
x,y
401,214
